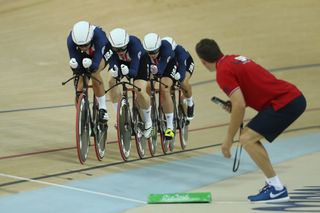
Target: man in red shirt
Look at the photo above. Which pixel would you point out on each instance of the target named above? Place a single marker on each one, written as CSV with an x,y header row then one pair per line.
x,y
279,104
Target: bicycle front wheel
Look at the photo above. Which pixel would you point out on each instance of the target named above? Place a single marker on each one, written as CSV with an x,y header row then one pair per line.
x,y
124,129
138,126
82,128
153,140
100,132
162,127
183,125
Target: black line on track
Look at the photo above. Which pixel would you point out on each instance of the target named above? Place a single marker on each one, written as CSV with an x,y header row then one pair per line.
x,y
134,160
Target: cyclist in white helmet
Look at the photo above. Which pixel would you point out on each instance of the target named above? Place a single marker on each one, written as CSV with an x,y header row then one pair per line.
x,y
163,64
89,51
130,60
185,70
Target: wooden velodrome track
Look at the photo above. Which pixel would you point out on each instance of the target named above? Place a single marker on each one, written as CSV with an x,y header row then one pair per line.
x,y
37,114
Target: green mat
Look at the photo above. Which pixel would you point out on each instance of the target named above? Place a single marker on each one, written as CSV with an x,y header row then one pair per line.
x,y
194,197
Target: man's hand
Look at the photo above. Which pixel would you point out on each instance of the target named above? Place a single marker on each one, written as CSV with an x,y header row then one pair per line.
x,y
86,62
114,71
226,147
154,69
73,63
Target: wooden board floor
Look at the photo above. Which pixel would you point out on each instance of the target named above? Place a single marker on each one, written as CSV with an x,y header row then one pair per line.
x,y
37,114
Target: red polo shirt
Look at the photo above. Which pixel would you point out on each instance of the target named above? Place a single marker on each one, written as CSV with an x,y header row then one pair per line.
x,y
259,87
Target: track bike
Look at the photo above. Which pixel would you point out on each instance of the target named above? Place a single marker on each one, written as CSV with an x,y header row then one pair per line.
x,y
87,120
130,121
155,108
180,121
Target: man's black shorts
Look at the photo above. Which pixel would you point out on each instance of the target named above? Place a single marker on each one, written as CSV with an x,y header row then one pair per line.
x,y
270,123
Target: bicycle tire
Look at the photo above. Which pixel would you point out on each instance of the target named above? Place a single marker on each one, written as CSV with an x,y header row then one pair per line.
x,y
153,140
82,128
138,126
100,132
183,126
124,129
175,122
162,128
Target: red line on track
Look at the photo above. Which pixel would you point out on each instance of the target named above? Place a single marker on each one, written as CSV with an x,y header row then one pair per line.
x,y
111,142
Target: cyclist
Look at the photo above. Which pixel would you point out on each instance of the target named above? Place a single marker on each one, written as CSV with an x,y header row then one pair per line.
x,y
130,60
185,70
89,51
163,63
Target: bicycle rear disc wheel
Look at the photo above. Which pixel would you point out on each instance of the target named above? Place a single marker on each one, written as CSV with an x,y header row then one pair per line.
x,y
138,130
183,127
124,129
82,128
153,140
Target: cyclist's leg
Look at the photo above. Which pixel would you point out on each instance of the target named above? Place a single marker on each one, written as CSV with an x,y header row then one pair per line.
x,y
166,99
98,88
114,93
187,89
167,105
143,98
187,93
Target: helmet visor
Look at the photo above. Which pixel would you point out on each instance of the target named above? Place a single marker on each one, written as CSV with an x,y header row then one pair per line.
x,y
119,49
154,52
85,45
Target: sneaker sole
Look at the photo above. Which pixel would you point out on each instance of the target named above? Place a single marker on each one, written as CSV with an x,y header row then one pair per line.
x,y
283,199
189,118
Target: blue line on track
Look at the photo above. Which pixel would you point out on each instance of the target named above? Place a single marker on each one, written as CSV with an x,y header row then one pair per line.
x,y
175,176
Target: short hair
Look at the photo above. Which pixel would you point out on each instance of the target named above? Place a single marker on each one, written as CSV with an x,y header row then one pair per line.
x,y
208,50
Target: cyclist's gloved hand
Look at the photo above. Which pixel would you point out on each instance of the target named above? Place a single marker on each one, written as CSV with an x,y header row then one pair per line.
x,y
73,63
114,71
177,76
124,69
86,62
154,69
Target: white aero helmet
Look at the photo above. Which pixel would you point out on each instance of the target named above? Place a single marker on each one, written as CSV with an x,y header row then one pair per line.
x,y
171,41
82,33
151,42
118,38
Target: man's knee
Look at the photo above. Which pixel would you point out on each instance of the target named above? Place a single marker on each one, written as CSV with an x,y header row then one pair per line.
x,y
249,137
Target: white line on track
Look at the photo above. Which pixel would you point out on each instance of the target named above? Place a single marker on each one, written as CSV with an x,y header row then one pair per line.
x,y
72,188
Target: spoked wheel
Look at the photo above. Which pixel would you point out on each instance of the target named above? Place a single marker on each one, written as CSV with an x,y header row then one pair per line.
x,y
162,127
138,126
183,126
82,128
124,129
152,142
100,132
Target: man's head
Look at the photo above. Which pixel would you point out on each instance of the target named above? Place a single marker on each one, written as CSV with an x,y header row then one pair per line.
x,y
208,52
